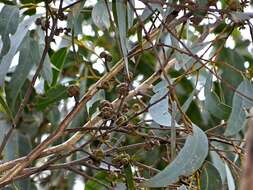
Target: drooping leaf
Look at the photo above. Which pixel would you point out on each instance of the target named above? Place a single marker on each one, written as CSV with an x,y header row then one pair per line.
x,y
186,104
8,25
210,178
212,102
121,16
16,40
129,177
189,159
100,15
230,179
240,103
74,18
46,72
100,95
159,110
4,107
219,165
27,59
236,60
58,59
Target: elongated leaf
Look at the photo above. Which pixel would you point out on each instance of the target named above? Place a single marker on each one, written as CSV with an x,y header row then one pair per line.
x,y
16,40
230,179
186,104
46,72
5,107
219,165
27,59
159,111
129,177
58,59
122,21
238,115
74,18
212,102
210,178
236,60
189,159
8,25
100,15
100,95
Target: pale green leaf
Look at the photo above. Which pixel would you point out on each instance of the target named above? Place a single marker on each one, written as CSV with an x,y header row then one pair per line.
x,y
238,115
8,25
159,109
189,159
230,179
210,178
100,15
16,40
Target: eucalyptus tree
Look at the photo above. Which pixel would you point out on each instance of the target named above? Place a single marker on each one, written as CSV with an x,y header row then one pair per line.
x,y
124,94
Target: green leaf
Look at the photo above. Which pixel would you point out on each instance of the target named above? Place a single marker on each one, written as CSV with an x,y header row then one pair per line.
x,y
100,15
213,103
236,60
8,25
159,111
74,20
93,185
129,177
187,61
121,16
58,60
230,179
186,104
210,178
238,115
219,165
6,108
16,40
52,96
27,59
189,159
46,72
100,95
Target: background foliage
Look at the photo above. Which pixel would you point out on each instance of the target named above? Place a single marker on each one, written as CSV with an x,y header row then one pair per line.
x,y
124,94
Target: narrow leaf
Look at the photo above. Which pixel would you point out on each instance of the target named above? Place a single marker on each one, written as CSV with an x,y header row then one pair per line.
x,y
159,110
238,115
210,178
100,15
189,159
16,40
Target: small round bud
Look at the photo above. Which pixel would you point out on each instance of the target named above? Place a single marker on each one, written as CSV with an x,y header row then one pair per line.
x,y
136,107
105,85
99,154
38,21
121,120
123,89
103,54
73,91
